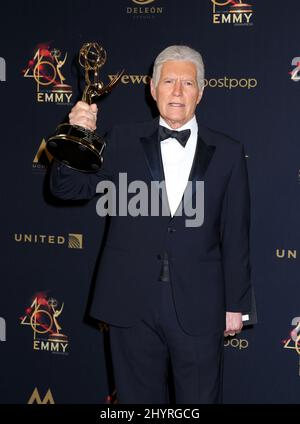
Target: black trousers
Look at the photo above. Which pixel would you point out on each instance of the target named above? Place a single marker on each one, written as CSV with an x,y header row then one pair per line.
x,y
142,356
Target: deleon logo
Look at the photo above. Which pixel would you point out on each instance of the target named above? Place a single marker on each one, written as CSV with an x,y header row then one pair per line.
x,y
143,2
232,12
45,67
43,316
293,342
36,398
2,69
143,9
294,73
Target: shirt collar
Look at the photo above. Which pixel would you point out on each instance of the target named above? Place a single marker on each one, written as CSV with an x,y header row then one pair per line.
x,y
190,125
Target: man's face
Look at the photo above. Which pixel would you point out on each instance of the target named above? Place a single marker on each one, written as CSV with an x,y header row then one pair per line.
x,y
177,93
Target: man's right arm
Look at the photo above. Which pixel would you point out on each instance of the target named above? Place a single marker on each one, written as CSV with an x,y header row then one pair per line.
x,y
67,183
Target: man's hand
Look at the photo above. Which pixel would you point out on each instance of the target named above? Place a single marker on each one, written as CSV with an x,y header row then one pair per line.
x,y
234,323
84,115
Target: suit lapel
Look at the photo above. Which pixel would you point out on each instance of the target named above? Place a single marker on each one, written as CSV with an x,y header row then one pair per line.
x,y
202,158
153,157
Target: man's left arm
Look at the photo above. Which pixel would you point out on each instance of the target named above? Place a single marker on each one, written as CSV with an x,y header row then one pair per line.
x,y
235,222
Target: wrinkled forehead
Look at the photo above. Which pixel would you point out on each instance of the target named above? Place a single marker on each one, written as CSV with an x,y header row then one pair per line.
x,y
178,68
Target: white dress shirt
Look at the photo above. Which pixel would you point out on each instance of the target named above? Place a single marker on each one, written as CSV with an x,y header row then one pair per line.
x,y
177,162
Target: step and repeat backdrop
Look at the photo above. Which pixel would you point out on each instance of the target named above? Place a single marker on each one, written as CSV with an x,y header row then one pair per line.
x,y
51,350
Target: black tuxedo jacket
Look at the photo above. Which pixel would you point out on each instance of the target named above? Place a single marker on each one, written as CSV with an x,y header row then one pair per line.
x,y
209,264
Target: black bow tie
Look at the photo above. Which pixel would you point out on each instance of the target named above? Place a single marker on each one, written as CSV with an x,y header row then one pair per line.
x,y
181,136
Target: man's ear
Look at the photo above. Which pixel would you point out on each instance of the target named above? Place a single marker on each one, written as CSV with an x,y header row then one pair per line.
x,y
152,89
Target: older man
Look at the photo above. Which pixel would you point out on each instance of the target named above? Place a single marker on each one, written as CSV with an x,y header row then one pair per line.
x,y
170,291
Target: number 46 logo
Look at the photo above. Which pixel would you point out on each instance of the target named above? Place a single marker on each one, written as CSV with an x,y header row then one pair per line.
x,y
295,72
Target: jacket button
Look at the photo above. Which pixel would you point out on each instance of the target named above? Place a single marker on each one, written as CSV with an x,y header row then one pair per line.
x,y
171,230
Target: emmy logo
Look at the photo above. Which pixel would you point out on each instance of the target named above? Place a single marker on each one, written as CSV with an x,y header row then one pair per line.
x,y
232,12
233,6
43,316
55,314
293,342
60,87
45,68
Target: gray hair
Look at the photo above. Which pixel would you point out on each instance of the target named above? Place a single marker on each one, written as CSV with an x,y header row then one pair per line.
x,y
179,53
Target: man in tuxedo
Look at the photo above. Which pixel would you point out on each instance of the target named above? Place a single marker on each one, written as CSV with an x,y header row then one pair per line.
x,y
170,291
